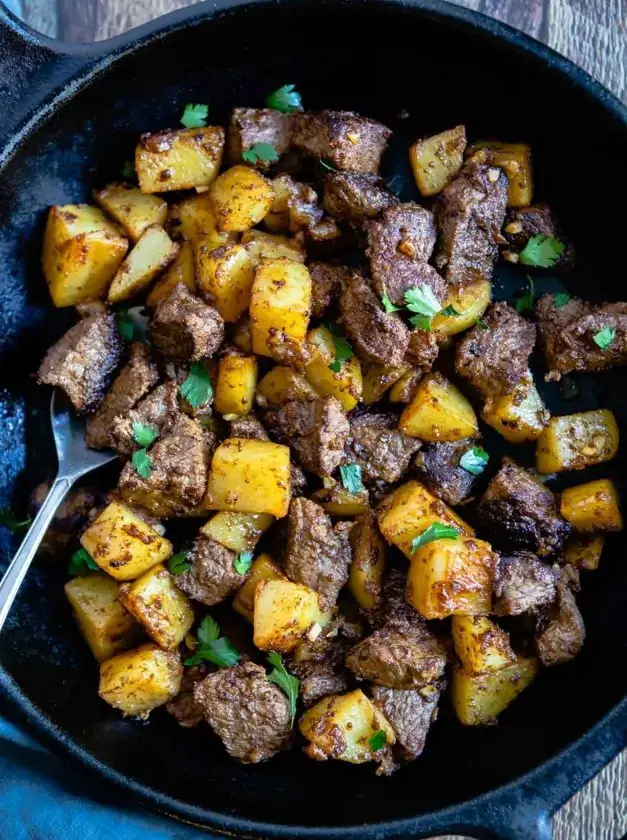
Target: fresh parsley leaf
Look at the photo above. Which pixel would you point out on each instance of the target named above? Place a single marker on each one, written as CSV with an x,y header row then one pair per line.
x,y
387,303
542,251
378,740
144,434
449,310
343,349
81,563
195,116
437,531
524,304
197,388
475,460
327,165
178,563
286,681
604,337
128,170
125,325
212,647
208,630
421,322
9,521
261,153
422,300
243,562
351,477
286,99
142,462
561,299
481,324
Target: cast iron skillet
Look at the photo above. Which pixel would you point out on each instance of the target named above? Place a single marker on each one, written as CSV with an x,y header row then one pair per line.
x,y
70,118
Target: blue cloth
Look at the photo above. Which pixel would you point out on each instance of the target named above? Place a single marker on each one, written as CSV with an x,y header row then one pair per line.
x,y
42,798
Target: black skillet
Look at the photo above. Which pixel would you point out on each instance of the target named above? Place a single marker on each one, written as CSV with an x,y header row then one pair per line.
x,y
70,118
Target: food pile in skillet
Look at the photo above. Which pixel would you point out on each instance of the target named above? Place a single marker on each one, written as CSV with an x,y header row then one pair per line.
x,y
297,400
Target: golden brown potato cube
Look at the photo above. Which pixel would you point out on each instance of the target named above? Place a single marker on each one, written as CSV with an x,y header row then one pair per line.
x,y
470,301
104,623
241,335
515,160
584,551
404,389
82,252
225,276
241,197
182,271
263,568
576,441
519,417
452,577
122,544
195,220
436,160
377,379
280,307
480,644
154,252
283,613
160,606
132,209
138,681
479,699
409,510
235,391
369,561
342,726
269,246
346,384
238,531
438,412
338,501
251,476
594,506
179,160
281,385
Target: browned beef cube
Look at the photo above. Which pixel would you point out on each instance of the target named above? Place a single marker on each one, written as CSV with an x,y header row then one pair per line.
x,y
248,427
523,583
410,713
567,335
82,363
178,476
326,281
394,611
247,712
133,382
378,337
70,516
184,708
495,356
350,197
158,409
212,576
316,430
343,138
317,554
560,633
523,223
320,668
250,126
183,327
422,350
519,512
470,213
91,307
439,470
377,446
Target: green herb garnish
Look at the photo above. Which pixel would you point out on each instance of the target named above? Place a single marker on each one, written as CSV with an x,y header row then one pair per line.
x,y
286,99
481,324
542,251
286,681
261,153
475,460
378,740
197,388
449,310
125,325
343,349
387,303
421,322
351,478
9,521
212,647
437,531
524,304
178,563
422,300
81,563
327,165
604,337
195,116
561,299
142,462
144,434
243,562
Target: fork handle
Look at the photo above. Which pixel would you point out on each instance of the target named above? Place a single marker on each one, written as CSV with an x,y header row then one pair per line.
x,y
14,575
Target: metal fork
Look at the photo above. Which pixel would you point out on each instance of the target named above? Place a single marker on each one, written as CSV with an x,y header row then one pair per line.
x,y
75,460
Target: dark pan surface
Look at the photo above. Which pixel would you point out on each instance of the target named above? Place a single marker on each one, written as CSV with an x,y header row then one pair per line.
x,y
379,59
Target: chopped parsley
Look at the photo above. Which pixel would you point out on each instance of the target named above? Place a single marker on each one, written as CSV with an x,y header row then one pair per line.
x,y
542,251
481,324
286,99
144,434
343,349
9,521
125,324
195,116
243,562
351,478
424,303
197,388
449,310
81,563
142,462
437,531
261,153
378,740
327,165
285,681
475,460
128,170
387,303
212,647
178,563
524,304
561,299
604,337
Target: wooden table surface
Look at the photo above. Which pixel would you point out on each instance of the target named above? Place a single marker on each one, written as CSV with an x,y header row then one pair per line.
x,y
593,33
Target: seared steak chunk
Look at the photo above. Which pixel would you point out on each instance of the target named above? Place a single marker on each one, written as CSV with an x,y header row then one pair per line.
x,y
395,613
320,668
422,350
377,446
561,632
250,126
184,708
185,328
212,576
351,197
248,427
70,516
522,583
326,284
523,223
410,714
342,138
439,470
158,409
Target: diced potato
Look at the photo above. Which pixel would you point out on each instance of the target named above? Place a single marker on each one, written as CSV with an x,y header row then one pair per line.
x,y
235,391
519,417
154,252
122,544
242,335
278,216
82,252
338,501
470,301
369,561
584,551
280,307
345,385
377,379
251,476
132,209
341,726
438,412
138,681
452,577
160,606
515,160
179,160
104,623
263,568
480,644
182,270
481,698
283,613
436,160
241,197
404,389
194,219
594,506
576,441
411,509
270,246
281,385
225,276
238,531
